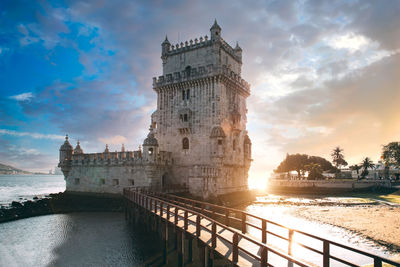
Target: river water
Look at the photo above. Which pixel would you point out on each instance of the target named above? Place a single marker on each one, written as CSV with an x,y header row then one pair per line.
x,y
76,239
16,187
105,239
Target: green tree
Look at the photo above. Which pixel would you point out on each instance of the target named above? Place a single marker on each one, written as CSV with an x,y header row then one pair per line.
x,y
338,159
314,171
356,168
391,154
324,164
366,164
298,162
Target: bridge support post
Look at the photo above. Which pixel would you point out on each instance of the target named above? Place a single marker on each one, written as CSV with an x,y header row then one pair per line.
x,y
181,247
190,248
202,253
210,257
165,241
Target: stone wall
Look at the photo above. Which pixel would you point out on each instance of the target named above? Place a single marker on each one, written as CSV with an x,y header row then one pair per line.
x,y
112,179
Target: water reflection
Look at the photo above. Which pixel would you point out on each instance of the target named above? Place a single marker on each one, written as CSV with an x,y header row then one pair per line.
x,y
284,215
77,239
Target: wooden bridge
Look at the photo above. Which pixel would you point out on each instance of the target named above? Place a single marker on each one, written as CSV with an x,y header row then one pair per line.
x,y
227,236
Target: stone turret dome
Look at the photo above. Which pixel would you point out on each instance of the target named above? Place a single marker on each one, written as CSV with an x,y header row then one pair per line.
x,y
66,146
150,140
217,131
78,149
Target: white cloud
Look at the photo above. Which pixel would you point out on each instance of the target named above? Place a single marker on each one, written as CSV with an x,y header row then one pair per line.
x,y
33,135
22,97
350,41
115,140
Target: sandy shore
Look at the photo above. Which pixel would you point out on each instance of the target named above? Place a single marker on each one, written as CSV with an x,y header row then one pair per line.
x,y
378,222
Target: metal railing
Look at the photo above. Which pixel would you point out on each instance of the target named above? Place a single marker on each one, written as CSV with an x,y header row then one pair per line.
x,y
246,221
158,206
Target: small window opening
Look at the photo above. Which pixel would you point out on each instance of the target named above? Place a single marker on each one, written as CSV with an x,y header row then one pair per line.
x,y
102,181
188,70
183,95
131,182
115,182
150,151
185,143
188,94
76,181
219,142
185,117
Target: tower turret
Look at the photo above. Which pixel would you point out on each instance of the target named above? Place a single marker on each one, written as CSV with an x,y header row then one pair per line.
x,y
150,146
165,47
66,151
78,149
238,51
215,31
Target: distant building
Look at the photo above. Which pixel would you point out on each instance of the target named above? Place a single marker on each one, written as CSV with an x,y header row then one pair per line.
x,y
197,136
378,172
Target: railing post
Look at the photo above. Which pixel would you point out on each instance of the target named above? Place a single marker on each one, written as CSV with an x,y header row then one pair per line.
x,y
264,231
227,217
290,245
326,254
155,206
176,216
243,222
185,225
168,215
235,248
377,262
290,241
198,228
161,209
214,235
264,257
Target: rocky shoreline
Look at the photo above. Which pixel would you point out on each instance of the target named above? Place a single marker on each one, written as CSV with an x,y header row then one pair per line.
x,y
59,203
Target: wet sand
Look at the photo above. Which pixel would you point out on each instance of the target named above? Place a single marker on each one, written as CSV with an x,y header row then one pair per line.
x,y
380,223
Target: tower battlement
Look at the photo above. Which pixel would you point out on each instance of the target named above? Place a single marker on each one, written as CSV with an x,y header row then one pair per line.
x,y
126,158
201,72
200,43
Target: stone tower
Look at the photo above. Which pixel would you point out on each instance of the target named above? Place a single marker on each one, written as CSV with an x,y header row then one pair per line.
x,y
201,115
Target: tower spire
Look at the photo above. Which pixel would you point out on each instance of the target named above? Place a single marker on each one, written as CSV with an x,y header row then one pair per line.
x,y
215,31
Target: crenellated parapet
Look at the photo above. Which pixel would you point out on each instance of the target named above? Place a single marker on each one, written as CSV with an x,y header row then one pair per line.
x,y
120,158
170,50
201,72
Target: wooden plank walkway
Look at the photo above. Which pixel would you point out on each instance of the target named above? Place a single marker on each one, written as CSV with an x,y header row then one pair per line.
x,y
212,224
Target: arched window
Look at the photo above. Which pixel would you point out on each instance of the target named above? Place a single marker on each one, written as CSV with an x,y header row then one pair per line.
x,y
183,94
185,143
188,94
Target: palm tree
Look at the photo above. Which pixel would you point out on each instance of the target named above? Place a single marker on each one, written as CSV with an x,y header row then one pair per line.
x,y
366,164
356,168
338,159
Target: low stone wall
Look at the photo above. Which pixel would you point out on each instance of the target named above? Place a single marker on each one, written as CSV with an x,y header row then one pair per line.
x,y
328,185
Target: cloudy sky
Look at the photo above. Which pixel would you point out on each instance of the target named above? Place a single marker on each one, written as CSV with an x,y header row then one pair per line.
x,y
323,73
